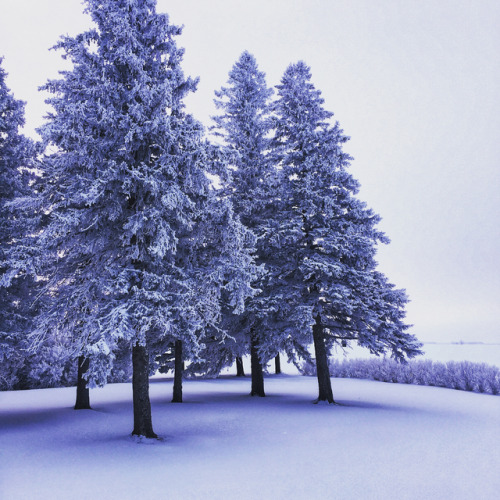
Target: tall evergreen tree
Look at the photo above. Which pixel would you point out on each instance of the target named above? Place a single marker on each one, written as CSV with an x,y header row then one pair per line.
x,y
16,288
132,213
326,242
244,124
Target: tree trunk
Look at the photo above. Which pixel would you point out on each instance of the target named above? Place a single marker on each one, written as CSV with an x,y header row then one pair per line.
x,y
82,391
257,372
143,425
178,369
322,372
277,364
240,372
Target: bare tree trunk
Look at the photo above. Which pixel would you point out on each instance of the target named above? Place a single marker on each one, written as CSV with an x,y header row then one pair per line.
x,y
322,371
240,372
257,372
277,364
143,425
178,369
82,391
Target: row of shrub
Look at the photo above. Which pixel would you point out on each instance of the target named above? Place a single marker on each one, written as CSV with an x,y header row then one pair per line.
x,y
460,375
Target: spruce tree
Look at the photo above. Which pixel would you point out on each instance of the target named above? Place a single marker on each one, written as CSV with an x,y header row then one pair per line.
x,y
244,124
326,241
132,213
17,289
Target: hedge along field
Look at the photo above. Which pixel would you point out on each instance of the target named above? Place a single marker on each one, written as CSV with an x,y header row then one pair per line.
x,y
460,375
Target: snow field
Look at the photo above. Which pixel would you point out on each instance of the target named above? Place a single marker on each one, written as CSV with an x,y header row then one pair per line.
x,y
382,441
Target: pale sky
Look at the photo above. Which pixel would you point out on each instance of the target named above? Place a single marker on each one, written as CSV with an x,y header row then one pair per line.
x,y
413,83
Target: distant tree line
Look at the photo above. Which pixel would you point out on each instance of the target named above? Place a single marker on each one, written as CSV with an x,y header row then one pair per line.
x,y
131,242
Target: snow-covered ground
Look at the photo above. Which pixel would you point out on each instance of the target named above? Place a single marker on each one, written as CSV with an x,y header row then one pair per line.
x,y
384,441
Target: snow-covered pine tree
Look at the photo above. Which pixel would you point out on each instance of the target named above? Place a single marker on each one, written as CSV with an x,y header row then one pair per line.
x,y
244,124
128,198
16,288
326,243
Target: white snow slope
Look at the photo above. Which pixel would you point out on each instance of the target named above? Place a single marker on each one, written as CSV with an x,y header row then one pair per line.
x,y
383,441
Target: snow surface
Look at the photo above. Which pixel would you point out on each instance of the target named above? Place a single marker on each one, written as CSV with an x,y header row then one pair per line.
x,y
382,441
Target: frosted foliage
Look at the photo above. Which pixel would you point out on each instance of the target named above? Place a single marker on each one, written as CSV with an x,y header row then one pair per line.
x,y
16,288
245,124
325,238
461,375
138,247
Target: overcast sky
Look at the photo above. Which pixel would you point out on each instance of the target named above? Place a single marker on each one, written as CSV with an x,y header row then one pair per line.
x,y
415,84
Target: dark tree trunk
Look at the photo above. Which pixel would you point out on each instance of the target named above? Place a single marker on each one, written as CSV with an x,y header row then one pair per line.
x,y
240,372
322,371
277,364
178,369
257,372
82,391
143,425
